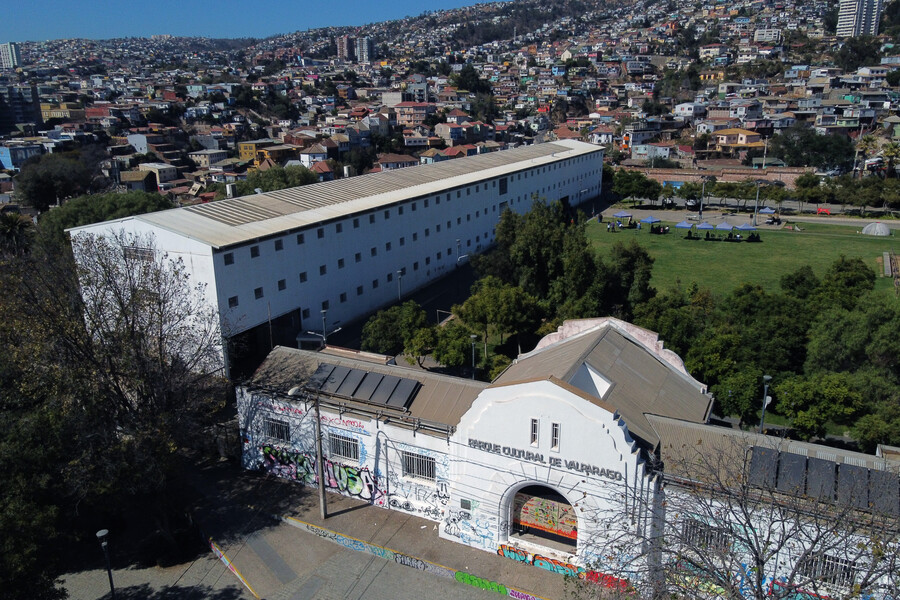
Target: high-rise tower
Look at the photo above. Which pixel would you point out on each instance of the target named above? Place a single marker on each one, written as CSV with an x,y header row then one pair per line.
x,y
858,17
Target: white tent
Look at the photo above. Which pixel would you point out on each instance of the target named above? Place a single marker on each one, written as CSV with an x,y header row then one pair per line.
x,y
876,229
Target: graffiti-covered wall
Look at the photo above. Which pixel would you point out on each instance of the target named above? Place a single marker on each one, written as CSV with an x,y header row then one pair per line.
x,y
279,437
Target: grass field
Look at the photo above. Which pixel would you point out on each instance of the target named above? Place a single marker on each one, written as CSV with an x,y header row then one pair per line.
x,y
722,266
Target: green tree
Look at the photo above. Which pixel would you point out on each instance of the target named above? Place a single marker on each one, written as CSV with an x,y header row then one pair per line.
x,y
454,346
46,180
740,394
811,402
420,345
389,331
15,234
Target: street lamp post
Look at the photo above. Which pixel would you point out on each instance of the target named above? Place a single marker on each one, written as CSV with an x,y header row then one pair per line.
x,y
101,537
399,285
325,333
320,460
704,179
760,182
473,338
765,401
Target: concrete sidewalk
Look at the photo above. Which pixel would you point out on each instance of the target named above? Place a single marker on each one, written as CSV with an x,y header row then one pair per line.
x,y
270,532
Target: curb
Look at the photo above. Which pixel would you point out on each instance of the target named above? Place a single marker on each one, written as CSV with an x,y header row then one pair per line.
x,y
352,543
227,562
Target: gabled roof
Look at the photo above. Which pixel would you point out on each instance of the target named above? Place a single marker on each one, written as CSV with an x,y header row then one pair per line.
x,y
620,365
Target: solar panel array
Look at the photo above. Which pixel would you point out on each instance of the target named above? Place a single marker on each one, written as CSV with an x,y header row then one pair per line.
x,y
846,484
259,207
364,386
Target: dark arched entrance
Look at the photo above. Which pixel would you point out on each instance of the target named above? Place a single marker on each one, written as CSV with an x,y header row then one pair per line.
x,y
542,513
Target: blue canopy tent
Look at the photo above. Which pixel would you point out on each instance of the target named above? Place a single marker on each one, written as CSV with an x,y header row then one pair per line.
x,y
706,226
746,227
650,220
622,215
767,211
723,226
684,225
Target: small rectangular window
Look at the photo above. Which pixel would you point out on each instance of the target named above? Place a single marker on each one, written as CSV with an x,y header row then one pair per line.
x,y
320,232
339,228
439,256
277,429
342,446
355,223
437,228
300,238
371,218
387,215
390,277
258,292
305,313
414,206
427,232
418,466
425,202
279,245
229,258
373,251
322,269
387,247
399,210
402,241
554,436
282,284
357,257
535,430
254,251
303,277
343,296
415,266
233,302
374,283
340,263
359,290
415,237
325,305
427,260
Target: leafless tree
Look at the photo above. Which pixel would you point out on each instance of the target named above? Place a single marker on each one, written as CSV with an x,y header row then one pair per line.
x,y
727,524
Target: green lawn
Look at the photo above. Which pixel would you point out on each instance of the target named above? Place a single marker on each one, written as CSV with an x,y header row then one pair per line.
x,y
722,266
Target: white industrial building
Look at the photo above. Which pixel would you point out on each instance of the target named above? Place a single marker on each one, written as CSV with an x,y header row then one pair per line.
x,y
280,258
575,459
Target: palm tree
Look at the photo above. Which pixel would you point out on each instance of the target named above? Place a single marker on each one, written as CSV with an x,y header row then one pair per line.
x,y
14,232
866,144
891,151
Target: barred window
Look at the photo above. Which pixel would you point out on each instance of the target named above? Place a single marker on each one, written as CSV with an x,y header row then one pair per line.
x,y
418,466
341,446
829,569
277,430
702,535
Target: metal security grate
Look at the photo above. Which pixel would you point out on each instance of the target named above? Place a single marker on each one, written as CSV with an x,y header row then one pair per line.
x,y
700,535
277,430
343,447
829,569
418,466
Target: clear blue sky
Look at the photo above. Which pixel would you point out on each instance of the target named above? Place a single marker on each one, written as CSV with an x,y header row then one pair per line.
x,y
23,20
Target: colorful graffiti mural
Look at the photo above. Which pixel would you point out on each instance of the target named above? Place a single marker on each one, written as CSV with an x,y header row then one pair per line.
x,y
546,515
358,482
563,568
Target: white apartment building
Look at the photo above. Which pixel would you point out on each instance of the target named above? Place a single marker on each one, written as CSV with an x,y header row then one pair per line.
x,y
10,57
274,261
858,17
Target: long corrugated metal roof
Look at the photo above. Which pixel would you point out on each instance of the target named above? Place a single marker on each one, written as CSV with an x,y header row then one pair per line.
x,y
683,442
641,382
234,221
440,399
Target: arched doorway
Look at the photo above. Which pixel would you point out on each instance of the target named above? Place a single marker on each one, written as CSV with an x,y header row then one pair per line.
x,y
543,516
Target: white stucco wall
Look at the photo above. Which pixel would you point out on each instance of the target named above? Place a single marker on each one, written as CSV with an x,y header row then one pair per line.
x,y
596,467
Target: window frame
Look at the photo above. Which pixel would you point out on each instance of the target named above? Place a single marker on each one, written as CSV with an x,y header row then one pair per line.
x,y
277,429
338,442
418,466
